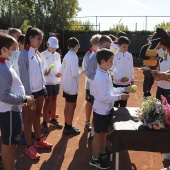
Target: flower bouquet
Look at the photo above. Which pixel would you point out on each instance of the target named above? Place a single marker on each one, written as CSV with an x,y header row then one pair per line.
x,y
154,113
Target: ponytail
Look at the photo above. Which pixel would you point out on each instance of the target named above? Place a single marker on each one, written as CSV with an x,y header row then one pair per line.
x,y
31,32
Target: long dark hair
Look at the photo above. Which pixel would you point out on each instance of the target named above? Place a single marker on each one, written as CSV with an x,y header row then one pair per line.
x,y
31,32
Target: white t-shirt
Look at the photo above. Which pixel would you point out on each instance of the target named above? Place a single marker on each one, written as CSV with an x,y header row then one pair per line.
x,y
163,67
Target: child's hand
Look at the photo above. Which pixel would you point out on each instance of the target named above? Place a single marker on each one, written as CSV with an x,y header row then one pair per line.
x,y
30,100
58,75
124,96
124,79
128,89
155,74
47,72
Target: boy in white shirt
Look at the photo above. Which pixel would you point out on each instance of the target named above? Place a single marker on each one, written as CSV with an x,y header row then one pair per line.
x,y
105,96
114,46
51,64
104,42
123,68
69,84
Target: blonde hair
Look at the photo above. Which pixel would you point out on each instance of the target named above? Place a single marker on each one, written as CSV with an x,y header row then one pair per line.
x,y
95,39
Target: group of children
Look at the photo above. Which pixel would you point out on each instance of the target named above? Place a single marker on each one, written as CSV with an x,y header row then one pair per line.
x,y
31,80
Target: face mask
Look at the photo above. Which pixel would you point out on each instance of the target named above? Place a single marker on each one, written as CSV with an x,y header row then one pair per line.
x,y
97,49
161,52
14,55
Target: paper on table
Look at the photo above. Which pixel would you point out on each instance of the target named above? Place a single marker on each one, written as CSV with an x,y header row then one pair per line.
x,y
127,125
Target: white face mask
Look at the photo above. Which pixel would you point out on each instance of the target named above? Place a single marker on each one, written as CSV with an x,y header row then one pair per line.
x,y
14,55
161,52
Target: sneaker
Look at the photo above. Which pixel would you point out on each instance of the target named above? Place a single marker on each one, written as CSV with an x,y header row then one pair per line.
x,y
87,126
32,152
44,127
72,131
56,124
90,139
166,156
104,155
49,117
98,163
42,144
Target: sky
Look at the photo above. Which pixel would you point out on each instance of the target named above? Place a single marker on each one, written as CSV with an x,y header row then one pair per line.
x,y
122,8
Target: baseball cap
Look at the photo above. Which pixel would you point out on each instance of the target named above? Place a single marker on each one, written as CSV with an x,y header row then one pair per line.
x,y
53,42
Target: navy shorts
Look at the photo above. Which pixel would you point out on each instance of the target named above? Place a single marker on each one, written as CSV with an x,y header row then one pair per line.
x,y
42,92
101,122
89,97
70,98
10,125
53,89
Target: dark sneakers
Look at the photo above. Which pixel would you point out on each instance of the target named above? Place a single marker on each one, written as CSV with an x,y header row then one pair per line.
x,y
87,126
56,124
104,155
99,163
89,140
72,131
44,127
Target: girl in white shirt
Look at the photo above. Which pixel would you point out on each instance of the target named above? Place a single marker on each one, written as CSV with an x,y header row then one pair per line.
x,y
33,80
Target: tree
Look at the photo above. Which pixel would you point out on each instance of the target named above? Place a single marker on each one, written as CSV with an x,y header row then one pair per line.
x,y
118,28
165,26
78,25
50,15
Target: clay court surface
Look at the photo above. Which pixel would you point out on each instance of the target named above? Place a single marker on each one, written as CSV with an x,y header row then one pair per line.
x,y
74,153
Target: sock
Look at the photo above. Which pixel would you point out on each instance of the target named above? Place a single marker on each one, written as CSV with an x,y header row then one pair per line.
x,y
45,122
53,119
92,131
68,127
102,150
95,157
88,122
38,139
28,146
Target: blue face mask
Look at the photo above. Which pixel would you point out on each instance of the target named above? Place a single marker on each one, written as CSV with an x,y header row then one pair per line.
x,y
14,55
168,60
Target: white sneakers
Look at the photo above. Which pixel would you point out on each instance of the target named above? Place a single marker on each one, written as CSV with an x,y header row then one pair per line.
x,y
166,156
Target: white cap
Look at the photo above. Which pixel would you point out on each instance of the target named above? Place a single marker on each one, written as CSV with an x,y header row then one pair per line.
x,y
53,42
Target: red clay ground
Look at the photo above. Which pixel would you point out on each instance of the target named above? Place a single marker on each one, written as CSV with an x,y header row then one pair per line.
x,y
73,153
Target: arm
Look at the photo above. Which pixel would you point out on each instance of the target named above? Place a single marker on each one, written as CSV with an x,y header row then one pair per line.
x,y
89,69
74,68
142,53
132,72
104,96
24,72
5,92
